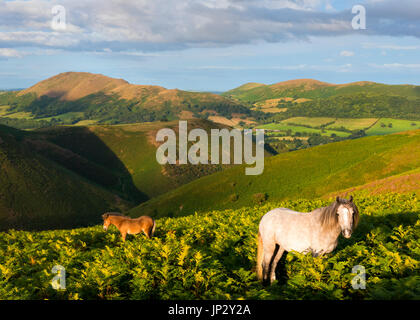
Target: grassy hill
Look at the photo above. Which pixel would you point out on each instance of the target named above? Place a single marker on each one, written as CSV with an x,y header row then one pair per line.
x,y
213,255
79,96
308,173
117,162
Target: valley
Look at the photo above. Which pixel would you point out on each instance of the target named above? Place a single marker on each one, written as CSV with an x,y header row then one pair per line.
x,y
77,145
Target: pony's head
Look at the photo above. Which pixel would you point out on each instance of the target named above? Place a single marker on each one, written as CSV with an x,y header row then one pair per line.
x,y
107,221
347,215
342,213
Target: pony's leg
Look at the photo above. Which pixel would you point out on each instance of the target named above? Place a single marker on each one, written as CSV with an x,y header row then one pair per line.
x,y
146,233
123,234
276,259
267,258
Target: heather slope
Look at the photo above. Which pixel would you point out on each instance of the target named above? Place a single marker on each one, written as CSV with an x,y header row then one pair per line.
x,y
308,173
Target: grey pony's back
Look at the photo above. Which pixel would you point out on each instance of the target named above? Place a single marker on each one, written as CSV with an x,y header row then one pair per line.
x,y
285,214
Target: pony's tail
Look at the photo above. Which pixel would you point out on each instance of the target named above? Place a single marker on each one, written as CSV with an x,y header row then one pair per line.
x,y
152,231
259,257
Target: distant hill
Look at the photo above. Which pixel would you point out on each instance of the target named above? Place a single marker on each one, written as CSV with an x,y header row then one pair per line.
x,y
95,97
309,173
310,88
85,98
313,98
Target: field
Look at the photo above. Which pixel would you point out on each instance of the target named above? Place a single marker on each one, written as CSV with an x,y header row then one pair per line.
x,y
334,123
354,124
230,122
303,130
397,125
312,122
272,109
341,127
86,122
17,115
212,256
3,110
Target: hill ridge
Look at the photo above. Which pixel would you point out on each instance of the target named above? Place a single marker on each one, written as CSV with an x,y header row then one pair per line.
x,y
305,82
76,85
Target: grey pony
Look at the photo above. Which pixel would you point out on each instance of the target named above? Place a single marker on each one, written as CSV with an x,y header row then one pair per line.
x,y
317,232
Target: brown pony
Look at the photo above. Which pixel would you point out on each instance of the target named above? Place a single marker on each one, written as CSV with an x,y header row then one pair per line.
x,y
126,225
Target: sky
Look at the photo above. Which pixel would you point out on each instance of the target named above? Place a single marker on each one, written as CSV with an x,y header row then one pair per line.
x,y
210,45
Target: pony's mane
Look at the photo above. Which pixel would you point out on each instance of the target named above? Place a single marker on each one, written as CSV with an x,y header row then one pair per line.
x,y
106,215
329,218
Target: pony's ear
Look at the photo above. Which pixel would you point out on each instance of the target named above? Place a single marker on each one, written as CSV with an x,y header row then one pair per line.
x,y
105,215
337,199
351,199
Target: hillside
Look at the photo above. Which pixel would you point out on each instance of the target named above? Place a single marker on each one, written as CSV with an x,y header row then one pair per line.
x,y
213,256
125,156
36,193
78,96
401,183
308,173
116,161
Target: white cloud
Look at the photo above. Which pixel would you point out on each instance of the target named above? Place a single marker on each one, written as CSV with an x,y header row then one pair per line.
x,y
346,53
397,65
327,67
402,65
153,25
10,53
388,46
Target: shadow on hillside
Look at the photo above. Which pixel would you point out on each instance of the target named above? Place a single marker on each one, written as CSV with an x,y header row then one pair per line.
x,y
80,150
83,156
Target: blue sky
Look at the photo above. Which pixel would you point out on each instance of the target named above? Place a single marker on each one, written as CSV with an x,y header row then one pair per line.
x,y
211,45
